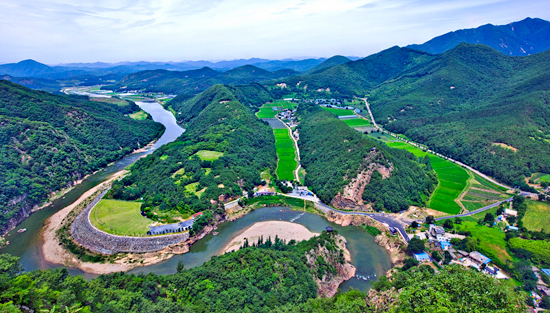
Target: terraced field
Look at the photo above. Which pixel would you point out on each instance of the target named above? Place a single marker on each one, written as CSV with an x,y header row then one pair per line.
x,y
286,152
122,218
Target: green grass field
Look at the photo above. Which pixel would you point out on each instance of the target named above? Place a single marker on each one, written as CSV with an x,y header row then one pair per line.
x,y
121,218
266,113
339,112
207,155
491,239
540,177
452,179
192,188
141,115
357,122
286,153
382,137
537,216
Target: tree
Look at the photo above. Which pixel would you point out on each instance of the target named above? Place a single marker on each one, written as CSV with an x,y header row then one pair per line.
x,y
458,220
448,224
414,225
180,267
489,218
409,263
500,210
415,245
436,256
430,219
545,302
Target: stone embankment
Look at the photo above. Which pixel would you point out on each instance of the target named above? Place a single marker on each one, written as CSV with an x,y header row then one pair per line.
x,y
101,242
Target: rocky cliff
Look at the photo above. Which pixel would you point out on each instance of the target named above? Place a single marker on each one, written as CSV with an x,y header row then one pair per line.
x,y
330,266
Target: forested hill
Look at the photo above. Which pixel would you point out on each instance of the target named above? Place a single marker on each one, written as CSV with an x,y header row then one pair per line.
x,y
222,152
345,167
525,37
49,141
330,62
358,77
194,81
251,95
475,105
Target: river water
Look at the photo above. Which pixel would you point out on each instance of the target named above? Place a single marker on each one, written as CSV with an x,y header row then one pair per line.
x,y
371,260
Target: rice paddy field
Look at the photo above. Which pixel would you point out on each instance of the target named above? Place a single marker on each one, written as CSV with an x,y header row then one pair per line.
x,y
453,179
339,112
286,153
357,122
122,218
537,216
266,111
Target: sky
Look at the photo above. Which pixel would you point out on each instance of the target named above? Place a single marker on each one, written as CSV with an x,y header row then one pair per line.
x,y
65,31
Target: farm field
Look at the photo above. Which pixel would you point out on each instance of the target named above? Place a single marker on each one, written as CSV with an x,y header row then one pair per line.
x,y
266,113
121,218
141,115
491,239
357,122
286,154
540,177
339,112
537,216
382,137
207,155
452,179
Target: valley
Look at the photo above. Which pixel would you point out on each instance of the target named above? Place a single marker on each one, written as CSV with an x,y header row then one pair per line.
x,y
415,179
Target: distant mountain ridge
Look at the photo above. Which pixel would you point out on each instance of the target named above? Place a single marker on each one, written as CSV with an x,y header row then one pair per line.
x,y
195,81
526,37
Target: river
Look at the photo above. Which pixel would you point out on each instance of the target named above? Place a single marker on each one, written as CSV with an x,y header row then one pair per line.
x,y
370,259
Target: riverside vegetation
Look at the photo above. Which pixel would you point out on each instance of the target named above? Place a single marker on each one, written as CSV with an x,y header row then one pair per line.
x,y
47,142
175,180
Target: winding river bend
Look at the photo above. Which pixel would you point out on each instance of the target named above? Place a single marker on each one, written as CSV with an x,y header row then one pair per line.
x,y
371,260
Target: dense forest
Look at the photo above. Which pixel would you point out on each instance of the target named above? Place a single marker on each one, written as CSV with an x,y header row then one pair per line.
x,y
356,78
221,154
271,277
475,105
194,81
49,141
252,95
333,154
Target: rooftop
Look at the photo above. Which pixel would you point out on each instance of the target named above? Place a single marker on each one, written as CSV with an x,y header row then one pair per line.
x,y
480,258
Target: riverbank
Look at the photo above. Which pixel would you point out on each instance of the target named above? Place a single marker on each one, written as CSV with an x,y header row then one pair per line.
x,y
283,230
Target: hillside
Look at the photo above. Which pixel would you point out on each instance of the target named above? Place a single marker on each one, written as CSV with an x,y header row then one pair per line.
x,y
350,171
252,95
47,142
194,81
476,105
222,152
525,37
358,77
330,62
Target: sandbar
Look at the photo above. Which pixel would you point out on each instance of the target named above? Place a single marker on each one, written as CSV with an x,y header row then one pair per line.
x,y
284,230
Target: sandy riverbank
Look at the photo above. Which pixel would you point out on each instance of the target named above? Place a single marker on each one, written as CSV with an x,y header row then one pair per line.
x,y
284,230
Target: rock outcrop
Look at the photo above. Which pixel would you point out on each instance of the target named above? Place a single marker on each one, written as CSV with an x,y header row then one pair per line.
x,y
395,247
382,301
339,259
351,198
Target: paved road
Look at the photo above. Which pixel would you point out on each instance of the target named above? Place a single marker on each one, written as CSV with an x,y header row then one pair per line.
x,y
433,152
523,193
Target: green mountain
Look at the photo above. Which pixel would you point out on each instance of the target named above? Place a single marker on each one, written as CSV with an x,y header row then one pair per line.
x,y
474,104
521,38
194,81
251,95
223,151
344,167
333,61
358,77
47,142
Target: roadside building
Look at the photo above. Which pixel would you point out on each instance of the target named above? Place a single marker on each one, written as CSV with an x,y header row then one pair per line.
x,y
509,212
445,245
478,258
422,257
438,233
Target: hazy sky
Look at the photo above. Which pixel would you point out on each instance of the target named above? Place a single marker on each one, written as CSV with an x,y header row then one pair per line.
x,y
61,31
